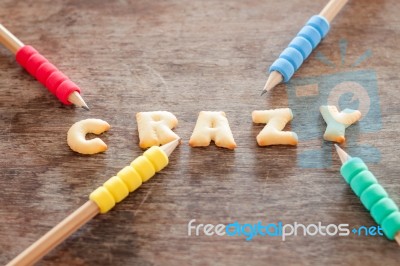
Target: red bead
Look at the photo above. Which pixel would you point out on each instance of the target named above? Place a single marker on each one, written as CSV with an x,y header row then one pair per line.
x,y
54,80
24,53
34,62
44,72
65,89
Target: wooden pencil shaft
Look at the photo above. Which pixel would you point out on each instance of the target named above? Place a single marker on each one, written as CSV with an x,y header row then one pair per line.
x,y
397,238
331,10
9,40
56,235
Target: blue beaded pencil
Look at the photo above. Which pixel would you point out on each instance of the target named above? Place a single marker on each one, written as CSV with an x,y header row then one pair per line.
x,y
302,45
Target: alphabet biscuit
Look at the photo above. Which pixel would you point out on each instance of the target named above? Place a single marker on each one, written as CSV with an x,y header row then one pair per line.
x,y
76,136
275,121
212,126
155,128
338,122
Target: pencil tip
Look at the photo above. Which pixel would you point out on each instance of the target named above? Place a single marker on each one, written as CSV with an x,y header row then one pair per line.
x,y
274,79
336,147
170,147
77,99
344,157
263,92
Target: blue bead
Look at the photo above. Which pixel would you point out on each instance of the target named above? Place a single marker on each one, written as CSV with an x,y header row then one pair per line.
x,y
284,67
302,45
311,34
293,56
320,24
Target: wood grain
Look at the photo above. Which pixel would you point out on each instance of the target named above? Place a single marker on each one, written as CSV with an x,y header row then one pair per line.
x,y
186,56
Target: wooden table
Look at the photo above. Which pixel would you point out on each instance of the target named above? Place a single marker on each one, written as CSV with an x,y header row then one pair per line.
x,y
184,57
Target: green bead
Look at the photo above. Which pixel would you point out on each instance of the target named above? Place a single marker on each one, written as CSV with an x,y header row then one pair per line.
x,y
362,181
372,195
382,209
391,225
351,168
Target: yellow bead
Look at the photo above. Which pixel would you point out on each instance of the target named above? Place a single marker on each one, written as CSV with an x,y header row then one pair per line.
x,y
157,157
103,198
117,188
144,167
130,177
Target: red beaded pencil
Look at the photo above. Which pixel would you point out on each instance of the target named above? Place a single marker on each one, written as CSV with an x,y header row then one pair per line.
x,y
45,72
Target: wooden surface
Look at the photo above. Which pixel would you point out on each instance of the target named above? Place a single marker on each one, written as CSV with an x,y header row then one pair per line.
x,y
184,57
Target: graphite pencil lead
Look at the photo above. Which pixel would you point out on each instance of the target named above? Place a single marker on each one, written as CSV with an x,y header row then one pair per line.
x,y
273,80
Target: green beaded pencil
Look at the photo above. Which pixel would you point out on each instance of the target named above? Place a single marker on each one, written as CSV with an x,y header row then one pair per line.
x,y
373,196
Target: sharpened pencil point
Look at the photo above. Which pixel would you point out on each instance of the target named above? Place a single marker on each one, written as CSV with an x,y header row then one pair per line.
x,y
170,147
274,79
344,157
77,99
263,92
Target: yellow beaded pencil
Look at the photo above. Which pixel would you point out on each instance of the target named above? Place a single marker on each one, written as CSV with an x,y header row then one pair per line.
x,y
100,200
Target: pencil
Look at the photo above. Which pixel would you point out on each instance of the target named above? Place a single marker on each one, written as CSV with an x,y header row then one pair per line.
x,y
300,48
39,67
101,201
372,195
